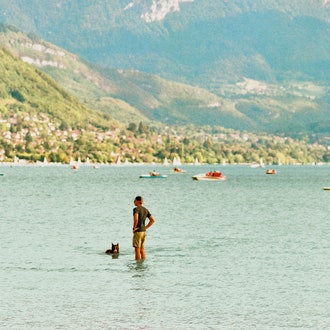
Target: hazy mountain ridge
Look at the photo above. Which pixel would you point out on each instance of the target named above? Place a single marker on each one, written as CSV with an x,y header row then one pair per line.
x,y
214,45
108,86
41,120
132,96
209,33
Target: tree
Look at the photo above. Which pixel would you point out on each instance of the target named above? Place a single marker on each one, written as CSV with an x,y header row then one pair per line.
x,y
143,128
17,95
132,127
28,139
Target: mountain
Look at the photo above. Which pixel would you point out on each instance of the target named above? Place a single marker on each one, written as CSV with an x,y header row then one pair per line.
x,y
204,42
257,65
40,120
26,90
133,96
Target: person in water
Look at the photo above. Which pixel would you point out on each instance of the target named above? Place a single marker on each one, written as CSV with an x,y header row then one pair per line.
x,y
140,214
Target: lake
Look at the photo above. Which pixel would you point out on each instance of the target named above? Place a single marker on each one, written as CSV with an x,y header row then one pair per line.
x,y
251,252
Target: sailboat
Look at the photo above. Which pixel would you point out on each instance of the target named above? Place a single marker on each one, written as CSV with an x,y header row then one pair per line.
x,y
176,161
255,165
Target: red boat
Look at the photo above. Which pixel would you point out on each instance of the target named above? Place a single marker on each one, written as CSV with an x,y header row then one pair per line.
x,y
209,176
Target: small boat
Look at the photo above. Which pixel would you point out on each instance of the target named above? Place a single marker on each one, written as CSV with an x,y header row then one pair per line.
x,y
178,170
270,171
1,174
326,188
260,164
209,176
153,175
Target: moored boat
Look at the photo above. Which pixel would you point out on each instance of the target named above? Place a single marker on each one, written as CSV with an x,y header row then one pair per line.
x,y
326,188
209,176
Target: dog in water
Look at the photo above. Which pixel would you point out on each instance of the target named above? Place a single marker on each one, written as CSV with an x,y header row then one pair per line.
x,y
114,250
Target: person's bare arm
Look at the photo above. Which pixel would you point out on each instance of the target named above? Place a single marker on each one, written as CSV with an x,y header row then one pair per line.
x,y
150,223
135,222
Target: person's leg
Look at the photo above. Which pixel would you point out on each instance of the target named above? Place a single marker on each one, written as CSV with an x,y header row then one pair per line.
x,y
137,253
142,253
138,243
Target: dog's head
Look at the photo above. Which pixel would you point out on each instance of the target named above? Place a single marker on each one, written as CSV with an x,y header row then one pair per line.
x,y
115,248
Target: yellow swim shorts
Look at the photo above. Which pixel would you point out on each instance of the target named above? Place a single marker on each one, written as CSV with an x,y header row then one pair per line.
x,y
139,238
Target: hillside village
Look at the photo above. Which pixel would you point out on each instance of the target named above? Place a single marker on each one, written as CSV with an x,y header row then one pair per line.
x,y
36,138
38,133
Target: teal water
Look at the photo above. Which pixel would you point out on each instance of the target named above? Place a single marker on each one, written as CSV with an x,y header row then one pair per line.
x,y
251,252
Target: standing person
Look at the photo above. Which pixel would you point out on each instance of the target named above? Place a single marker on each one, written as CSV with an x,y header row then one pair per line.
x,y
140,214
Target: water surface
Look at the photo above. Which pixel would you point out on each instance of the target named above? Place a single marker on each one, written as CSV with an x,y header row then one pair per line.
x,y
251,252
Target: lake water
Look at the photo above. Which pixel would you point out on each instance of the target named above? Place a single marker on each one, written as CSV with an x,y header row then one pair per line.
x,y
251,252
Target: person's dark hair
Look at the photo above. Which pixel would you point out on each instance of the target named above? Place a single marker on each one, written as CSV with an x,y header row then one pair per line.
x,y
139,199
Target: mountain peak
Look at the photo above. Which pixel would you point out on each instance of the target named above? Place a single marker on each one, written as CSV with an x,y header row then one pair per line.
x,y
158,9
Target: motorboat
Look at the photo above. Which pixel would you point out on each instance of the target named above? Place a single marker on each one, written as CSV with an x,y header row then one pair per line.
x,y
326,188
210,176
178,170
153,175
270,171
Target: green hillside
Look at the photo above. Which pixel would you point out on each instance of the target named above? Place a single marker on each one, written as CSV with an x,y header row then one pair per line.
x,y
292,107
38,116
28,90
40,120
